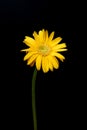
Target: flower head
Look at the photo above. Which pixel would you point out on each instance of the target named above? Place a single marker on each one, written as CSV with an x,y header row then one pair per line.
x,y
44,51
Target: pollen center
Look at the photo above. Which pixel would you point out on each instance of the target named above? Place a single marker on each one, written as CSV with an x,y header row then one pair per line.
x,y
44,49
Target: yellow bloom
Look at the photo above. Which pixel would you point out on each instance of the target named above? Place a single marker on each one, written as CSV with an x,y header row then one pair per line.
x,y
44,51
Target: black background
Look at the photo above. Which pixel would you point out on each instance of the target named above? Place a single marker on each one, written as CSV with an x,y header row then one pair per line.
x,y
58,93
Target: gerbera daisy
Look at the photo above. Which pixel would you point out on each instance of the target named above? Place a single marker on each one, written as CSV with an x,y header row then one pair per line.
x,y
44,51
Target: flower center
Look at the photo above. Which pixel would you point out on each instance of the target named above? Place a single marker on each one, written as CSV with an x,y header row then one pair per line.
x,y
44,49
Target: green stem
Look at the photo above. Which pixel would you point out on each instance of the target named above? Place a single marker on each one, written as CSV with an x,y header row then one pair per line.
x,y
33,99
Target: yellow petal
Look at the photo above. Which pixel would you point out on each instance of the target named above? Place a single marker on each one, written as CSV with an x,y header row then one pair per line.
x,y
56,41
45,64
32,59
58,55
38,62
32,64
51,36
59,46
29,41
50,65
36,36
46,35
42,35
28,55
54,61
26,49
60,50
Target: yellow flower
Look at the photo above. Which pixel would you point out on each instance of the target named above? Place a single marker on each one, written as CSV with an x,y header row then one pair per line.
x,y
44,51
